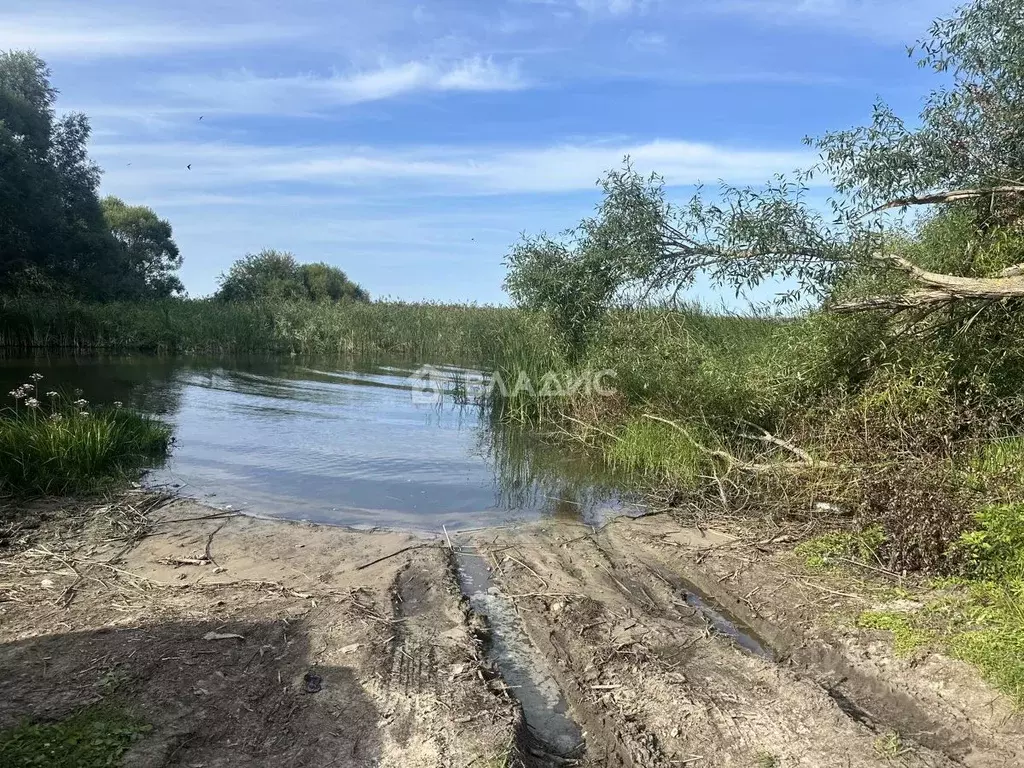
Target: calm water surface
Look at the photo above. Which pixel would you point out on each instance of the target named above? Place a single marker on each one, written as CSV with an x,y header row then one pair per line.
x,y
342,442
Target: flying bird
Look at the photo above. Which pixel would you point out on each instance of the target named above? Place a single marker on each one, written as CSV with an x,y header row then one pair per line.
x,y
201,117
189,166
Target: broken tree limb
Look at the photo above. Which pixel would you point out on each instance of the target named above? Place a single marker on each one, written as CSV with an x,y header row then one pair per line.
x,y
733,462
950,196
938,288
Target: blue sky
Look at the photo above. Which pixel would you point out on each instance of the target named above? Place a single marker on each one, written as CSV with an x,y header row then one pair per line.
x,y
410,143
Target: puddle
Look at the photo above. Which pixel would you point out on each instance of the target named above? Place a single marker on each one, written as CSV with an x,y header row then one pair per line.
x,y
722,623
522,666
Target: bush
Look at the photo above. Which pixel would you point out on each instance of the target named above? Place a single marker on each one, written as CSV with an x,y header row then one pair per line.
x,y
51,444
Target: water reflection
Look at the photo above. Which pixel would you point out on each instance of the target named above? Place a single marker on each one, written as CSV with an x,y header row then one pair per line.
x,y
341,441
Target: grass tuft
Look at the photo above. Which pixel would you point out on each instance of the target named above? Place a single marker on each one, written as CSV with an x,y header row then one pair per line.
x,y
53,443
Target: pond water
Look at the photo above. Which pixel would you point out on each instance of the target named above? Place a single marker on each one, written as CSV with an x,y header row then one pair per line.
x,y
348,442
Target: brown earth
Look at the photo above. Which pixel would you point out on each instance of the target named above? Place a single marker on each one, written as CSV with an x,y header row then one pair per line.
x,y
638,617
674,646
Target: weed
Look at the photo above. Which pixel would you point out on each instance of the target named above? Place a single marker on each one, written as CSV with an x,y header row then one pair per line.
x,y
767,759
890,745
96,737
907,637
834,549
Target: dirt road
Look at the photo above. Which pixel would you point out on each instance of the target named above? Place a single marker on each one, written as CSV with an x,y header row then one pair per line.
x,y
252,642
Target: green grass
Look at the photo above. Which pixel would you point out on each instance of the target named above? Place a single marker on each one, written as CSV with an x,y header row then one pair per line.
x,y
906,636
97,737
834,549
52,443
463,332
978,617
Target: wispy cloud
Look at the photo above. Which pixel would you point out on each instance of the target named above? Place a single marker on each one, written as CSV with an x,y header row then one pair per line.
x,y
248,93
99,35
426,171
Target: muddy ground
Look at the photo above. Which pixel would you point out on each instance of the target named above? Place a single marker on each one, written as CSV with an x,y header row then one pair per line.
x,y
249,642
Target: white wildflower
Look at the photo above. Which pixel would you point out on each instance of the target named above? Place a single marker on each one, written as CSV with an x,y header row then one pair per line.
x,y
53,394
84,413
32,403
81,402
118,403
36,376
17,394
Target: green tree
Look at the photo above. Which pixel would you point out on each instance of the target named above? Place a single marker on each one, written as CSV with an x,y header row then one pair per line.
x,y
272,274
322,282
858,257
150,255
52,232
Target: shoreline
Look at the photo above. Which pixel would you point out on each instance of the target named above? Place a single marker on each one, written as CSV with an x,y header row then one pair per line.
x,y
118,599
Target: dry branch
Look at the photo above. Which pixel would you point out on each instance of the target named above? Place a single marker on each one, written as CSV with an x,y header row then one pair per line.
x,y
938,288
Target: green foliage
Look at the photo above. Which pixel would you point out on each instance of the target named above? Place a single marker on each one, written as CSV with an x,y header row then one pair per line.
x,y
986,628
149,253
55,237
96,737
577,277
994,549
642,447
834,549
51,443
907,638
467,333
276,275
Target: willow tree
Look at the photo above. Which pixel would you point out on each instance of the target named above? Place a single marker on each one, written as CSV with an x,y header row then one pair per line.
x,y
961,165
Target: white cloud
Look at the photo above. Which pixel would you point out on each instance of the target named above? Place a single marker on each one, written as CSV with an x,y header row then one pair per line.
x,y
613,7
647,41
160,168
91,36
248,93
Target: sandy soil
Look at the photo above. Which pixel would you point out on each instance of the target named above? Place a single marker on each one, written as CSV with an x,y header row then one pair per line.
x,y
251,642
320,658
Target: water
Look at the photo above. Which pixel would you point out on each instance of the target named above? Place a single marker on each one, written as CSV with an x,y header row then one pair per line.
x,y
341,442
522,666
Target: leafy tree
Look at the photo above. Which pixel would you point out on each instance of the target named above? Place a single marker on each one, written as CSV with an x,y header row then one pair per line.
x,y
322,282
52,231
272,274
150,255
966,154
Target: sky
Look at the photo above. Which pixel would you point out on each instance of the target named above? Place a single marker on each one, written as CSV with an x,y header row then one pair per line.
x,y
412,143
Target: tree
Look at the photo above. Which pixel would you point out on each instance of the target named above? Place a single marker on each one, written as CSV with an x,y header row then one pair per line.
x,y
150,255
52,232
966,155
272,274
322,282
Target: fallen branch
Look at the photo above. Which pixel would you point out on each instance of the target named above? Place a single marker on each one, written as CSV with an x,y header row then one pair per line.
x,y
950,196
393,554
807,463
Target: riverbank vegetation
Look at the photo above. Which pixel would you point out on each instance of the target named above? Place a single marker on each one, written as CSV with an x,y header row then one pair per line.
x,y
890,399
53,443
